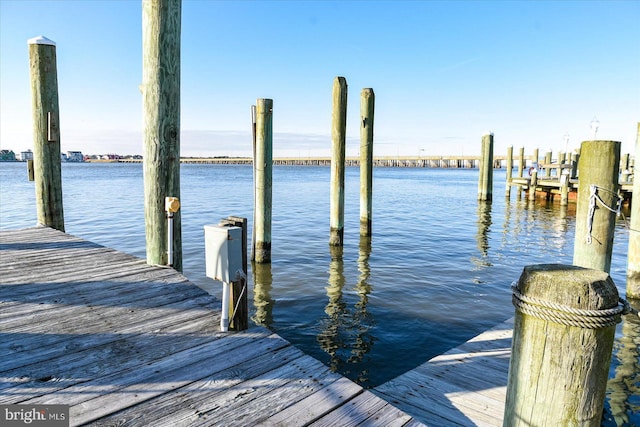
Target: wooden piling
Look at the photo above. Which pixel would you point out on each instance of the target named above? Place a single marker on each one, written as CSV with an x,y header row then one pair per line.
x,y
633,257
161,20
547,161
263,186
564,189
485,181
560,360
30,173
509,170
597,204
534,160
533,183
338,137
521,163
367,104
46,132
238,298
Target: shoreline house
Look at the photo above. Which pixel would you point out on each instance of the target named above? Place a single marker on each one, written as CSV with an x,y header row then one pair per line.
x,y
72,156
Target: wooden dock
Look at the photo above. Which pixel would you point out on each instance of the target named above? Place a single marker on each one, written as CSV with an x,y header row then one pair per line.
x,y
465,386
124,343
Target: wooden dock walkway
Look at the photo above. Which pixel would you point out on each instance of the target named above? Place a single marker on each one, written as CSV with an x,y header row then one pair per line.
x,y
124,343
465,386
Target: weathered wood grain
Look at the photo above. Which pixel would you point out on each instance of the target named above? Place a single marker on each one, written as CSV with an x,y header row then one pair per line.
x,y
125,343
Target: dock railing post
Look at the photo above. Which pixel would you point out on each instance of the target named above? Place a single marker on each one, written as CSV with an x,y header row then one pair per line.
x,y
161,20
46,132
338,145
485,180
264,181
597,204
509,170
633,261
561,350
367,104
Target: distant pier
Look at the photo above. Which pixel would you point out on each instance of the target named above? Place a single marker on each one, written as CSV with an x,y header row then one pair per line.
x,y
452,162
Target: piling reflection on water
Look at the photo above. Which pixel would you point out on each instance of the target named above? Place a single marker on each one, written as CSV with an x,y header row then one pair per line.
x,y
623,387
345,332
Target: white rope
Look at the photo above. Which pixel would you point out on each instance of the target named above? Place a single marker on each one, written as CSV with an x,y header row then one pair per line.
x,y
594,198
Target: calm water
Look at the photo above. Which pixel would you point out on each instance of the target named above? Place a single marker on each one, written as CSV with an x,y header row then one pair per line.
x,y
436,272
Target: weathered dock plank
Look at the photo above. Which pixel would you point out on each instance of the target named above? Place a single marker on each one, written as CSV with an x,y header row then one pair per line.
x,y
464,386
124,343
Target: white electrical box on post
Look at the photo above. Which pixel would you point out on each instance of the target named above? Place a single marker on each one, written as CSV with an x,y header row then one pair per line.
x,y
223,253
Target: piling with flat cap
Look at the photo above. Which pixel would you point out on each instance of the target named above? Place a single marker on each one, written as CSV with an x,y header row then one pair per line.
x,y
597,204
161,117
509,170
367,103
263,182
633,261
563,335
338,145
46,132
485,180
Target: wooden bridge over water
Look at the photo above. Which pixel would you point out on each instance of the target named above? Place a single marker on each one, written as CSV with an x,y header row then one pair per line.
x,y
125,343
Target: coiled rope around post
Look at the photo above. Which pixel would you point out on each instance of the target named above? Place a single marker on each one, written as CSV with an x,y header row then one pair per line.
x,y
568,316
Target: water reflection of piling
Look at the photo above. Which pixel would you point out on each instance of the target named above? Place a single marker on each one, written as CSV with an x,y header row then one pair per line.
x,y
624,388
484,225
344,334
262,301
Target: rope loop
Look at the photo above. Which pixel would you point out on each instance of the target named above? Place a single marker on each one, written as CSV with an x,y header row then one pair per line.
x,y
569,316
594,199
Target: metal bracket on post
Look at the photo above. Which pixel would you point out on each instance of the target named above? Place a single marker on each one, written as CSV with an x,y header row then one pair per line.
x,y
171,206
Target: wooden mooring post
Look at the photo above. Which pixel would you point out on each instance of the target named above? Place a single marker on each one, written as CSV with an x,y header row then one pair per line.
x,y
509,170
46,132
264,181
30,172
367,104
161,21
562,341
485,181
238,298
633,261
597,204
338,145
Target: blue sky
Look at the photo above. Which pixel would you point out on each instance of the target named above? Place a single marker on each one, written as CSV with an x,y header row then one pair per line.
x,y
443,73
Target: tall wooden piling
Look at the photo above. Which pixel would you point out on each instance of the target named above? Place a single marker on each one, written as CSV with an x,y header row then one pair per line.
x,y
46,132
161,20
485,181
560,356
597,204
521,163
509,170
633,261
338,137
367,103
263,182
